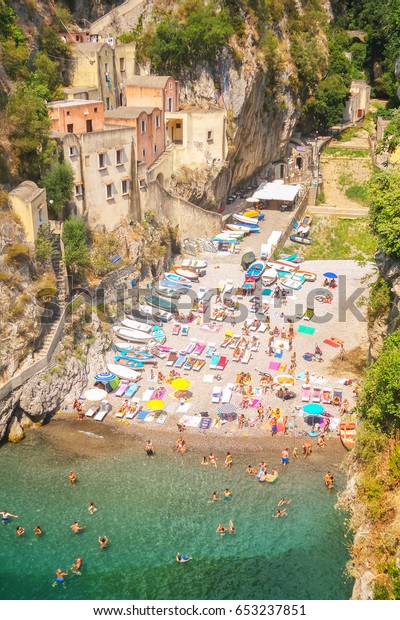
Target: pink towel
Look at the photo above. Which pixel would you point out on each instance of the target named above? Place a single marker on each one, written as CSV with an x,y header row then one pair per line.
x,y
274,365
256,402
160,395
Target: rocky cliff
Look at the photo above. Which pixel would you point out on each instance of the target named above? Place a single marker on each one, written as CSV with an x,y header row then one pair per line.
x,y
387,317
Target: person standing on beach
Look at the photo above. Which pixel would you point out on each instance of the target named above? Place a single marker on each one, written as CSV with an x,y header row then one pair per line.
x,y
149,449
342,353
274,426
306,449
285,457
72,477
228,460
285,424
213,459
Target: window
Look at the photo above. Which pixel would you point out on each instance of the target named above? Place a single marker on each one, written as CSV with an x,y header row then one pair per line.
x,y
124,187
109,191
169,104
122,64
68,113
143,153
70,128
106,67
87,160
72,151
95,110
170,85
107,103
142,184
119,157
40,214
89,125
102,161
77,37
155,148
210,136
157,121
178,125
143,126
79,190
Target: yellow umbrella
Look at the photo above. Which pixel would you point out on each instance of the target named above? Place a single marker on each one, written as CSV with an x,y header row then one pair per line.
x,y
155,404
180,383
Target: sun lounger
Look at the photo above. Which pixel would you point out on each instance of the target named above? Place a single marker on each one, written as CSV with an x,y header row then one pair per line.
x,y
172,357
216,394
122,389
263,328
189,363
181,360
190,346
147,394
198,365
229,286
164,347
199,348
227,393
227,338
132,389
184,408
92,411
234,341
327,396
246,357
105,407
305,394
210,349
316,397
222,362
221,286
134,410
176,329
337,396
202,292
162,418
214,362
158,352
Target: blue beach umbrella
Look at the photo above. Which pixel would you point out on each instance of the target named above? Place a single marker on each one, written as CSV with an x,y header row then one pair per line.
x,y
105,376
313,409
330,274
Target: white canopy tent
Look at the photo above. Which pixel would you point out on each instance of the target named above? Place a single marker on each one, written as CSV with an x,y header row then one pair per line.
x,y
277,191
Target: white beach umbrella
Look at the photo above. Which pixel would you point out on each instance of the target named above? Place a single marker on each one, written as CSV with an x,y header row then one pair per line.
x,y
252,199
95,394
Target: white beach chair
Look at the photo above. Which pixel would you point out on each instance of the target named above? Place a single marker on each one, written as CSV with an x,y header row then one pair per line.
x,y
227,393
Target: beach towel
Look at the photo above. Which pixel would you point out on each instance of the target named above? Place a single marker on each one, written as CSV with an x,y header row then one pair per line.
x,y
160,394
222,362
122,389
150,417
214,361
266,292
282,367
180,361
147,394
205,424
274,365
279,353
194,421
331,343
199,348
143,414
209,327
183,408
208,378
161,418
305,329
171,408
255,402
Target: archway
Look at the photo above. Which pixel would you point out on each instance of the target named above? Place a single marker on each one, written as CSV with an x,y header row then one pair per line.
x,y
160,179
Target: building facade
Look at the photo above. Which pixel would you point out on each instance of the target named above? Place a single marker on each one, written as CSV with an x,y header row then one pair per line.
x,y
198,136
76,116
358,104
161,91
28,201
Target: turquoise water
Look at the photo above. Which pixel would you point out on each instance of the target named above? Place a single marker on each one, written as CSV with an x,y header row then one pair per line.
x,y
152,508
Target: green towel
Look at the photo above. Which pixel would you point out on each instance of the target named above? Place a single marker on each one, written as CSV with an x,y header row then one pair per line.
x,y
304,329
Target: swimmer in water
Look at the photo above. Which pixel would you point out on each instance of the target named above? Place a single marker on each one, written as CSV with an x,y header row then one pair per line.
x,y
220,529
283,501
60,576
227,495
103,542
280,513
92,508
4,515
20,530
76,528
214,496
38,530
212,459
182,558
249,470
72,477
76,566
231,527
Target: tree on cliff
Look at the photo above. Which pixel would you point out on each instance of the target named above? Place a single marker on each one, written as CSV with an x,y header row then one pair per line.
x,y
384,196
59,184
75,238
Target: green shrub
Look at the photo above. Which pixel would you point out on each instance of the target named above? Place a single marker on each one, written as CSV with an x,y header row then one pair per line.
x,y
358,193
59,184
384,198
17,253
44,244
381,592
379,300
394,463
75,238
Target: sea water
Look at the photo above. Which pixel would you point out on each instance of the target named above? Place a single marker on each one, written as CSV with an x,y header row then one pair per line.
x,y
152,508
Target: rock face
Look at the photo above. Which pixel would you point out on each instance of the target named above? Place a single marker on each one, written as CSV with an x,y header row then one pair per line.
x,y
15,431
389,268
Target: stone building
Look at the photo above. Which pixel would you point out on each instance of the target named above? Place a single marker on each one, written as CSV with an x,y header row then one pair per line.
x,y
76,116
28,201
358,104
161,91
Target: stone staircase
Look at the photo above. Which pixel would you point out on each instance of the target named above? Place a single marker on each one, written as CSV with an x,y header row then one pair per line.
x,y
348,213
312,195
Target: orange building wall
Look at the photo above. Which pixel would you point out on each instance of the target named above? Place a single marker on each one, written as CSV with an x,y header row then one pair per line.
x,y
75,115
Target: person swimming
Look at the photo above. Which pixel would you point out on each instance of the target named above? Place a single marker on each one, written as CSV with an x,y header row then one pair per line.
x,y
227,495
103,542
38,530
76,528
5,515
280,513
72,477
60,576
182,558
214,496
76,566
283,501
231,527
92,508
249,470
20,530
149,448
220,529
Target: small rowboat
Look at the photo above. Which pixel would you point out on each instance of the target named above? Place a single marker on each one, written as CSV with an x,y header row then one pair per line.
x,y
161,314
171,293
151,318
132,335
306,219
279,266
286,265
299,239
347,434
139,356
255,270
292,282
130,363
123,372
245,220
132,324
175,279
186,273
246,228
159,302
309,276
269,276
303,230
126,346
196,265
251,213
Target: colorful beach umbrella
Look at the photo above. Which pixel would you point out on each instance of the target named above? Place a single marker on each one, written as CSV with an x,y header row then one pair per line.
x,y
155,404
105,376
180,383
330,274
95,395
313,409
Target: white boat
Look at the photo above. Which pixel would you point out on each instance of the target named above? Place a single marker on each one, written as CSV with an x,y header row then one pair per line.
x,y
132,335
288,264
123,372
292,282
245,220
129,346
163,315
175,279
269,276
243,228
280,266
196,265
142,327
303,230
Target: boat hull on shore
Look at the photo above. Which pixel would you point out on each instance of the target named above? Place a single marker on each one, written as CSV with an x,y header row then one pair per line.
x,y
299,239
347,434
123,372
132,335
159,302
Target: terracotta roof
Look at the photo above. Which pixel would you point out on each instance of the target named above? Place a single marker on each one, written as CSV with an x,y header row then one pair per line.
x,y
128,112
